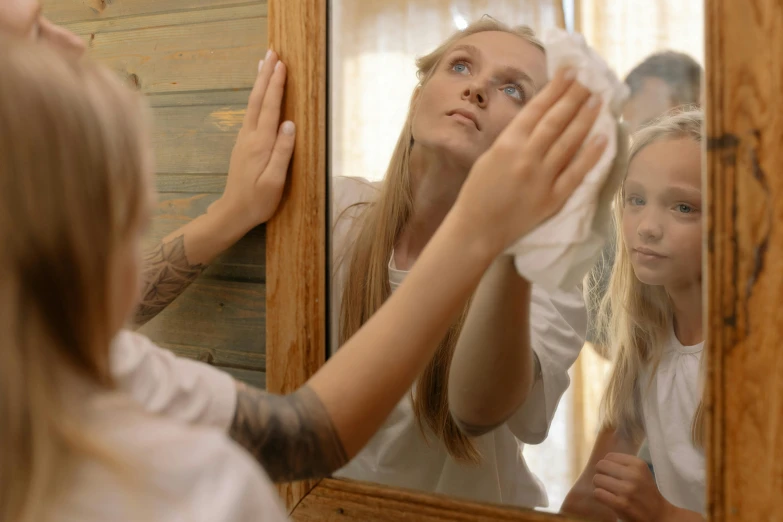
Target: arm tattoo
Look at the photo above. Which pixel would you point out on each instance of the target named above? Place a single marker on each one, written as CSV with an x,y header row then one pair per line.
x,y
166,275
292,436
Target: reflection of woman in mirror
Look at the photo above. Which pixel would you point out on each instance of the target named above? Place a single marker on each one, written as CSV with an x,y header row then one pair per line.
x,y
81,418
652,319
506,358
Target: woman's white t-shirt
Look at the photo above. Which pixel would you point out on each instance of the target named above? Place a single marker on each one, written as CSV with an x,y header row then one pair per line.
x,y
669,403
189,469
169,471
398,455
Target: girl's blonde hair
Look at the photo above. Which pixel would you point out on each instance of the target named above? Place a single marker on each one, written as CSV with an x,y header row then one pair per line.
x,y
71,163
367,286
635,319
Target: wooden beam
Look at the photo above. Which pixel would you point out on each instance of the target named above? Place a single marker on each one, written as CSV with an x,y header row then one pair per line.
x,y
296,235
744,269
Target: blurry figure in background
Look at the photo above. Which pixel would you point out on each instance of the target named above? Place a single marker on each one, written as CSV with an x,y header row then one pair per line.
x,y
661,82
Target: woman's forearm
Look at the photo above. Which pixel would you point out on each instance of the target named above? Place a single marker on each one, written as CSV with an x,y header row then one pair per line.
x,y
173,264
361,384
292,436
316,430
492,369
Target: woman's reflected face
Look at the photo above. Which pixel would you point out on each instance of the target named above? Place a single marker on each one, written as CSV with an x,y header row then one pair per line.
x,y
480,84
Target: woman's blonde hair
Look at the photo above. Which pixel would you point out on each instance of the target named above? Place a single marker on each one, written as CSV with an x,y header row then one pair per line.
x,y
635,319
380,224
71,163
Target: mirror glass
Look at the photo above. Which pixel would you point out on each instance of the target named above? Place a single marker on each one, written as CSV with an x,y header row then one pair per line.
x,y
656,47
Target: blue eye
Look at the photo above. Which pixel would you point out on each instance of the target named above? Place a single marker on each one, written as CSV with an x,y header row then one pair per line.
x,y
460,67
634,201
515,91
685,209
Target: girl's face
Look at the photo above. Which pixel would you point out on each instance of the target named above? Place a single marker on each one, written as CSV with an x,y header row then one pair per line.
x,y
480,84
662,213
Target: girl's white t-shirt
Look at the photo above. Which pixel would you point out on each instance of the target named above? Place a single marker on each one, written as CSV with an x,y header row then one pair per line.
x,y
669,403
399,455
170,471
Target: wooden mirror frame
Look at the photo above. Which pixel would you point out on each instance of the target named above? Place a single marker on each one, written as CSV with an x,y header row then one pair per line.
x,y
743,282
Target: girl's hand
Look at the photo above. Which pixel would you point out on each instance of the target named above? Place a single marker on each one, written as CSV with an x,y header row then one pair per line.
x,y
260,159
625,485
534,165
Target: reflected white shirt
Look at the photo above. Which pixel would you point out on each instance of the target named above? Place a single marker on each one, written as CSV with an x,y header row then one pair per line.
x,y
398,455
669,403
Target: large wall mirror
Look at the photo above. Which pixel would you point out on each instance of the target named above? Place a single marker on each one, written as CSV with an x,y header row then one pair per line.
x,y
353,72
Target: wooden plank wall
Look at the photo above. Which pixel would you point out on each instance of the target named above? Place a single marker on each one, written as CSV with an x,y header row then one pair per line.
x,y
195,60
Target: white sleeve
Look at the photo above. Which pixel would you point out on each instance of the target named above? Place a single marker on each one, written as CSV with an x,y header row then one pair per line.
x,y
235,489
558,323
179,388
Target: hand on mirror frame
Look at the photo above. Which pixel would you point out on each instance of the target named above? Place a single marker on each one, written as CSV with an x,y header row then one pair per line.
x,y
534,165
262,153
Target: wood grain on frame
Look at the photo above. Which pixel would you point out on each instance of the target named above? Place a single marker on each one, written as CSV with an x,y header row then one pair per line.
x,y
744,267
296,236
744,277
347,500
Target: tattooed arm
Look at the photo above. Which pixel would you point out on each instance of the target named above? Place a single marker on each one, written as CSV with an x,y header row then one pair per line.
x,y
292,436
167,273
179,259
254,186
317,429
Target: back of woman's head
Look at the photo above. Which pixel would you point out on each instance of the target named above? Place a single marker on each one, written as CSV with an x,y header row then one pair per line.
x,y
71,168
635,319
367,285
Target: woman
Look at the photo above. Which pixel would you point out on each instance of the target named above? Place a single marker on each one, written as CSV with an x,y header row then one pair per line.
x,y
504,362
180,388
76,197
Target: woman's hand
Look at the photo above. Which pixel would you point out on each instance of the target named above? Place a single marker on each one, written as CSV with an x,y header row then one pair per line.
x,y
260,159
534,165
624,484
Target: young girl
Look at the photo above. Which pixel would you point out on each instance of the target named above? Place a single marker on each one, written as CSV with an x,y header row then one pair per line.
x,y
75,197
652,314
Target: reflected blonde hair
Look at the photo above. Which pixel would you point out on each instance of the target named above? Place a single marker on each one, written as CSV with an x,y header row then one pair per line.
x,y
635,319
380,224
71,158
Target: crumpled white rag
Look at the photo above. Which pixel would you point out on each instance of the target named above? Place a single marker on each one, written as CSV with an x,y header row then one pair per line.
x,y
559,253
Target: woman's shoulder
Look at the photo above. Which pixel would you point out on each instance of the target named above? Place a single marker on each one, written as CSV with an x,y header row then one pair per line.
x,y
173,470
348,191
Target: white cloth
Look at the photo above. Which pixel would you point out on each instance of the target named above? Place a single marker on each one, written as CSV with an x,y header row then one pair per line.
x,y
176,387
669,403
398,455
170,472
562,250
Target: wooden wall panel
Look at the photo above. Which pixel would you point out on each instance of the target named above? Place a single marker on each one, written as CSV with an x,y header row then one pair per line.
x,y
196,61
195,139
219,54
70,11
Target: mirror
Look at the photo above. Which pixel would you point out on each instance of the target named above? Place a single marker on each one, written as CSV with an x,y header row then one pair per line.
x,y
373,47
